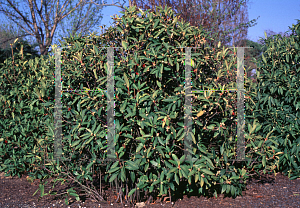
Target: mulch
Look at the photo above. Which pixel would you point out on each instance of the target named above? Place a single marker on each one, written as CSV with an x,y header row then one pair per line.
x,y
264,191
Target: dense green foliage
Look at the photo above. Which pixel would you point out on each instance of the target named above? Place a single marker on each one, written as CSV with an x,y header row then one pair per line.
x,y
278,93
21,124
149,110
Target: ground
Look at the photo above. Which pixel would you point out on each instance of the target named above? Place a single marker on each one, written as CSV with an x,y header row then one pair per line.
x,y
266,191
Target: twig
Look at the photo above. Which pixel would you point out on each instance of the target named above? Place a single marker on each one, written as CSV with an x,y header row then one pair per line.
x,y
170,195
85,187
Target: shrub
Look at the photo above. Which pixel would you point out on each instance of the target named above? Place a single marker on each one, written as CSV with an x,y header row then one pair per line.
x,y
278,101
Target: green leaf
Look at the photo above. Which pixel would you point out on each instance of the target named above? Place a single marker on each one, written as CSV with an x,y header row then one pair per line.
x,y
131,192
114,165
294,177
209,161
75,143
173,169
174,157
211,127
182,135
176,178
201,182
138,149
223,189
235,177
89,140
157,34
126,80
124,44
154,163
158,83
175,20
123,106
264,161
123,177
90,165
112,178
132,176
183,173
154,94
168,164
207,171
74,194
155,24
265,34
162,177
227,188
196,178
41,187
273,141
155,182
67,200
182,159
222,149
168,138
215,135
264,59
98,128
161,141
233,190
151,188
131,165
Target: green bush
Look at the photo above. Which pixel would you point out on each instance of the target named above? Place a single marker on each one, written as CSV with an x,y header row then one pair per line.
x,y
149,113
25,87
28,51
278,101
149,110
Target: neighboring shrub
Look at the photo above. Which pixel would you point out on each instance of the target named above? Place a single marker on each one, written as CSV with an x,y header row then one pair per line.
x,y
278,93
28,51
25,81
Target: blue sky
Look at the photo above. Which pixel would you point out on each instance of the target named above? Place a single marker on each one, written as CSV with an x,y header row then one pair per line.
x,y
275,15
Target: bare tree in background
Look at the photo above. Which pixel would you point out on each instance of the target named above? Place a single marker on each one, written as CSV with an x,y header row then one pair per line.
x,y
227,20
6,33
46,17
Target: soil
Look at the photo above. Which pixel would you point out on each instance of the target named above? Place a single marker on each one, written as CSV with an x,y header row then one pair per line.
x,y
264,191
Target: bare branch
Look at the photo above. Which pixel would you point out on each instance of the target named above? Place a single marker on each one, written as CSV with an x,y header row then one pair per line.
x,y
40,26
71,10
62,6
39,10
36,28
102,5
20,25
9,39
17,10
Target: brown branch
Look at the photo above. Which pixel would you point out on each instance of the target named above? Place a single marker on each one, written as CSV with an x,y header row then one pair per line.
x,y
19,36
102,5
18,11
